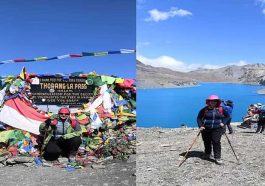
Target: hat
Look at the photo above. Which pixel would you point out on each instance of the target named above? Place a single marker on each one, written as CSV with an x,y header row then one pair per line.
x,y
64,110
213,98
82,119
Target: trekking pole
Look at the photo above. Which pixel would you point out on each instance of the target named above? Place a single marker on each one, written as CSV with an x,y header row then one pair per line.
x,y
194,140
232,148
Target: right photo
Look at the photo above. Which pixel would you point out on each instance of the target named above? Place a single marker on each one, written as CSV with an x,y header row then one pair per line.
x,y
200,92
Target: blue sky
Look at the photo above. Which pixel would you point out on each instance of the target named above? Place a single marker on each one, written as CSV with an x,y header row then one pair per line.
x,y
37,28
187,34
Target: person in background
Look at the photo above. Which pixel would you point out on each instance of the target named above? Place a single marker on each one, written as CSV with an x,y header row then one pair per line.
x,y
261,120
61,136
228,107
211,121
251,116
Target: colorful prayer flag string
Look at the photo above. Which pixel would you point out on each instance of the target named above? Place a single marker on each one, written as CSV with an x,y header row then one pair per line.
x,y
83,54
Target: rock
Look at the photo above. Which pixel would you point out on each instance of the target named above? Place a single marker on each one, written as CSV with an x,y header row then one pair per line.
x,y
149,169
10,161
23,159
3,158
95,166
47,164
262,81
28,164
105,160
165,145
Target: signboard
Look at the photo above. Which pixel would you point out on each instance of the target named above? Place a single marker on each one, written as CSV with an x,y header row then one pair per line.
x,y
51,90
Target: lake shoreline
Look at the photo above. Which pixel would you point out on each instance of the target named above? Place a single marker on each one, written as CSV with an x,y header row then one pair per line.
x,y
236,123
199,84
262,91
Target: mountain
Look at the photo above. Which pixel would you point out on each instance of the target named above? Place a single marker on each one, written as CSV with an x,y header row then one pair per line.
x,y
148,76
157,77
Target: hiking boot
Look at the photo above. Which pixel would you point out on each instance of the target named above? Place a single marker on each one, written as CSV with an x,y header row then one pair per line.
x,y
219,162
230,132
63,160
206,156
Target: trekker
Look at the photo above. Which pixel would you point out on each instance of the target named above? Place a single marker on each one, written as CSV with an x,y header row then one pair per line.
x,y
228,107
261,120
61,136
251,116
211,121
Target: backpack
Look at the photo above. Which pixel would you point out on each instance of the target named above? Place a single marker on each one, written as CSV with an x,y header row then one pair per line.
x,y
229,103
262,115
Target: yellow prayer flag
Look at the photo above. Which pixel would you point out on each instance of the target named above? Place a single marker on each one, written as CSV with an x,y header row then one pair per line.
x,y
100,53
22,74
40,58
119,80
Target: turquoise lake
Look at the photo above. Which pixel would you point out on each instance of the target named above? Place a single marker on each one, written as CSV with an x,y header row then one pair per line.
x,y
171,107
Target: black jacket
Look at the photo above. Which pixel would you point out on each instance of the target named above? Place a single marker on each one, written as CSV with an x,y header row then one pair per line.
x,y
212,118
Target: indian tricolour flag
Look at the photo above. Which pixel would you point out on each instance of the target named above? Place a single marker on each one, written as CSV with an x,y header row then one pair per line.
x,y
18,114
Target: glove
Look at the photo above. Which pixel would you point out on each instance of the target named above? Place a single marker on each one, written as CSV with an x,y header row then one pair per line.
x,y
54,122
202,128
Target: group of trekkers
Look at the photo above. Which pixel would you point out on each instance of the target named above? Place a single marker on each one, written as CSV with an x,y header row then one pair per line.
x,y
213,119
255,116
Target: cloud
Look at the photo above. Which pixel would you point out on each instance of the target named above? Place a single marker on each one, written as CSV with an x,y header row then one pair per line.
x,y
156,15
263,11
177,65
240,63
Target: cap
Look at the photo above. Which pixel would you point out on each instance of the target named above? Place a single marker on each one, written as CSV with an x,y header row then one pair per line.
x,y
64,110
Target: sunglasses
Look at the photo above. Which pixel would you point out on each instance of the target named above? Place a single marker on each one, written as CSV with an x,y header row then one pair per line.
x,y
63,114
214,101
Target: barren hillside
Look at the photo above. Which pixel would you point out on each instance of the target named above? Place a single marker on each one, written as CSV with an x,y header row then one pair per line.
x,y
150,77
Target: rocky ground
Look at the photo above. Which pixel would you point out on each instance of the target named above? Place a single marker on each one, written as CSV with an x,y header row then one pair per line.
x,y
110,173
159,152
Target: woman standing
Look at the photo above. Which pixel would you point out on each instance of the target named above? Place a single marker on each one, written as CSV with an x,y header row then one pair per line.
x,y
211,121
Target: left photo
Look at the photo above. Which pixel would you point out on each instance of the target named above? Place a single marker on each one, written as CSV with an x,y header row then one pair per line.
x,y
68,92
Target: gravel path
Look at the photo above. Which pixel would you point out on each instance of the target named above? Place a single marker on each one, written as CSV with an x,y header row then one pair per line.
x,y
111,174
158,157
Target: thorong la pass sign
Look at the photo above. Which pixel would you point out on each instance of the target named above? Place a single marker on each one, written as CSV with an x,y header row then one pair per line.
x,y
50,90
